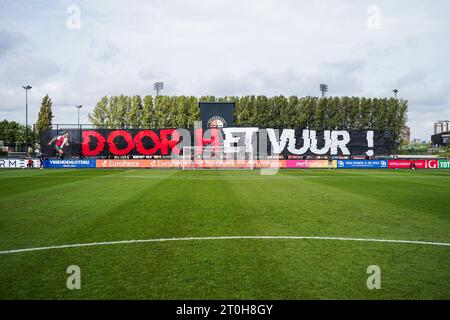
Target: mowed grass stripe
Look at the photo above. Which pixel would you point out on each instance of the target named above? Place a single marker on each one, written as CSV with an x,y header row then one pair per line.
x,y
272,207
390,210
78,209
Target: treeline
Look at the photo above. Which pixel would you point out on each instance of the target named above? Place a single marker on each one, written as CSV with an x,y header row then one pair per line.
x,y
333,113
13,134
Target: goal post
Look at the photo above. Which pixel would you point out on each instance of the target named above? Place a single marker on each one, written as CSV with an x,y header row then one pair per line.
x,y
214,157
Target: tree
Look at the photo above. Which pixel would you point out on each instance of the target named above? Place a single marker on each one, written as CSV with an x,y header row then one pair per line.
x,y
252,116
277,108
180,109
286,111
163,112
13,134
309,112
365,113
122,110
379,119
147,112
397,118
303,113
99,115
354,114
112,119
243,111
193,111
262,114
319,114
331,121
44,121
134,115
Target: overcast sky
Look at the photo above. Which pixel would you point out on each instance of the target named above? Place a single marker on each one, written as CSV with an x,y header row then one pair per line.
x,y
79,51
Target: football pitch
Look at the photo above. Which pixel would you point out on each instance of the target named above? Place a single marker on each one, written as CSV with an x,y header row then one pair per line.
x,y
299,234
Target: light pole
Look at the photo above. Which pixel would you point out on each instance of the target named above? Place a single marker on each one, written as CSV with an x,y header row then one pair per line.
x,y
79,128
26,116
79,107
395,91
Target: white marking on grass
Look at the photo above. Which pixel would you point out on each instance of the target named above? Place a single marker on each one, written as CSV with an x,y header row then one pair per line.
x,y
93,244
154,175
221,177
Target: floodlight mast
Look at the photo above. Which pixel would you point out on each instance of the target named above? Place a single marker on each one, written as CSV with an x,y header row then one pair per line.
x,y
158,86
324,89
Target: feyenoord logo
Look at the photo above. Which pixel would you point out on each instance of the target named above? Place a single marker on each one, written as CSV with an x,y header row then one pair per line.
x,y
217,122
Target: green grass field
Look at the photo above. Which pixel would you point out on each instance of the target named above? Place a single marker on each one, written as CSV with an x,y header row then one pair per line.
x,y
59,207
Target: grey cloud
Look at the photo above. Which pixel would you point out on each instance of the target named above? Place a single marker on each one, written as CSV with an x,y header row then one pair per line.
x,y
341,78
12,42
152,73
104,51
424,91
20,69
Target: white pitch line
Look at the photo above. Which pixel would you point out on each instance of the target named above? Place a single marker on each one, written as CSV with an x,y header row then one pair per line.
x,y
92,244
265,178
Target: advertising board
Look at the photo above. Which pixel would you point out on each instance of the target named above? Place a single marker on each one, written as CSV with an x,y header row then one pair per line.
x,y
362,164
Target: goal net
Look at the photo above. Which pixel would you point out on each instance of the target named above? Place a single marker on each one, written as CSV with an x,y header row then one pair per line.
x,y
17,155
213,157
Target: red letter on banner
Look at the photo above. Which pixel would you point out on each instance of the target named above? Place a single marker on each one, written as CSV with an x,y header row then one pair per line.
x,y
200,141
112,146
214,140
140,146
85,151
166,143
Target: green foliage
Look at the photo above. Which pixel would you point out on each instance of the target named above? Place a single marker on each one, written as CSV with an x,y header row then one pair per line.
x,y
147,112
134,115
344,113
193,113
13,134
98,117
44,121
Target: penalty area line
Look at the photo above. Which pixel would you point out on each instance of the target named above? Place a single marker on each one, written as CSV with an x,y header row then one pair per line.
x,y
94,244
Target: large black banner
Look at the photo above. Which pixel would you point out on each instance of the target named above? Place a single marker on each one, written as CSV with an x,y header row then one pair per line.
x,y
216,114
288,143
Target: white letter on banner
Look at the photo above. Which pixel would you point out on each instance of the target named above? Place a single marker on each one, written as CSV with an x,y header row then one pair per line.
x,y
336,143
306,143
230,139
326,147
286,134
